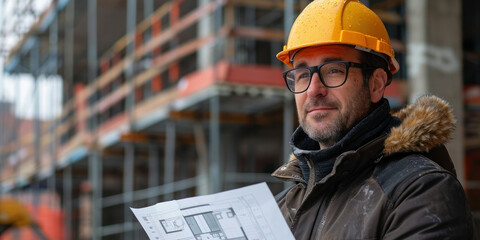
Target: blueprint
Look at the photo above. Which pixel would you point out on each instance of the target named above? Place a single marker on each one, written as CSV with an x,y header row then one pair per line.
x,y
244,213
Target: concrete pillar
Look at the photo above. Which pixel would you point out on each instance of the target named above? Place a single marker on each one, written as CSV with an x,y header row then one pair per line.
x,y
205,28
434,60
202,164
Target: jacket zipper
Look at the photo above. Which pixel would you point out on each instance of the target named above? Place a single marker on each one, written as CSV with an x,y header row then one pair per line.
x,y
324,219
311,179
310,185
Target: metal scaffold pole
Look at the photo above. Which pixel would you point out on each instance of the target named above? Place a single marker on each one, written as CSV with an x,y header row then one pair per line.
x,y
53,72
94,163
95,175
288,99
202,163
130,49
169,170
287,125
128,187
3,110
205,27
288,108
129,162
35,69
289,16
153,176
68,84
148,8
214,155
67,201
69,48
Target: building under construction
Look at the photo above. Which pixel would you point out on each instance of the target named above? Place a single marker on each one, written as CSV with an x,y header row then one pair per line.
x,y
168,99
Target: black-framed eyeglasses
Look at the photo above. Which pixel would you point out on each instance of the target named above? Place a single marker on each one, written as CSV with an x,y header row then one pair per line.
x,y
332,74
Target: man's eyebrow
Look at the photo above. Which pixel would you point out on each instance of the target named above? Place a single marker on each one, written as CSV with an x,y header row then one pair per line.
x,y
301,64
330,59
327,59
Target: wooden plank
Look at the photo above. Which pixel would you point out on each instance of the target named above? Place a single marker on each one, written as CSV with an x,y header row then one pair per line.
x,y
237,118
80,139
265,4
32,31
152,45
112,99
105,103
67,107
398,45
389,17
63,127
182,24
8,148
158,101
204,78
258,33
122,43
142,137
387,4
117,122
110,75
159,13
162,62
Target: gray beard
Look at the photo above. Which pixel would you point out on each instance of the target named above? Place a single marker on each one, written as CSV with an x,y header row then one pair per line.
x,y
338,127
327,137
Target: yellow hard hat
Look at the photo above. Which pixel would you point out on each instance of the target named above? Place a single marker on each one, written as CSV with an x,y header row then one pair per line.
x,y
349,22
14,213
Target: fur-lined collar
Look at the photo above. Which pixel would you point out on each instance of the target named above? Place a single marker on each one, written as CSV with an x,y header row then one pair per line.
x,y
426,124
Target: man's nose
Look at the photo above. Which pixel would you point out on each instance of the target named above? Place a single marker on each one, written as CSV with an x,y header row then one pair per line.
x,y
316,86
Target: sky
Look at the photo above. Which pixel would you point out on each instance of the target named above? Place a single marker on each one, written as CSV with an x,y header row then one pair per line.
x,y
20,89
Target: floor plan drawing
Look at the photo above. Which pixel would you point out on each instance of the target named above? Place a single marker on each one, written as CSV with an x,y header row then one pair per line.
x,y
237,216
218,224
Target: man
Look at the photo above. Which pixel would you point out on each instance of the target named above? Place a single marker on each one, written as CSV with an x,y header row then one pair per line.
x,y
359,172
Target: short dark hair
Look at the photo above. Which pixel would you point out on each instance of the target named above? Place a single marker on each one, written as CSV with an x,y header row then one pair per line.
x,y
373,62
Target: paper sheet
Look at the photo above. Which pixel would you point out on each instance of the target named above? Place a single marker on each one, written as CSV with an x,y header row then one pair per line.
x,y
240,214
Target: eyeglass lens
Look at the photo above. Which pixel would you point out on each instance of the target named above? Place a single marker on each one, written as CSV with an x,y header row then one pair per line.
x,y
332,75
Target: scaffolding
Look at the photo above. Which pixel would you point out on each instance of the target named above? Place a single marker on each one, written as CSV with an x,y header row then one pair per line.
x,y
169,98
161,100
20,16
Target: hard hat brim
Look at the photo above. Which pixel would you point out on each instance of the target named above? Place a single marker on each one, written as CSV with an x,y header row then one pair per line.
x,y
285,55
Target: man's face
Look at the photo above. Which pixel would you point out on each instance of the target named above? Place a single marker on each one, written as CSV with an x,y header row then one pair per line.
x,y
327,114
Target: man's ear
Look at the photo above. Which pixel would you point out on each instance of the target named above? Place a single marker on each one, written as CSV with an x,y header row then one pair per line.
x,y
377,84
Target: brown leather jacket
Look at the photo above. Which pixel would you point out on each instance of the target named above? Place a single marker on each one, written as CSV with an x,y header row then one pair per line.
x,y
397,186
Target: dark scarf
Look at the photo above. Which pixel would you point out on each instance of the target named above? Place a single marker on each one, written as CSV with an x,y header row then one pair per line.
x,y
377,122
